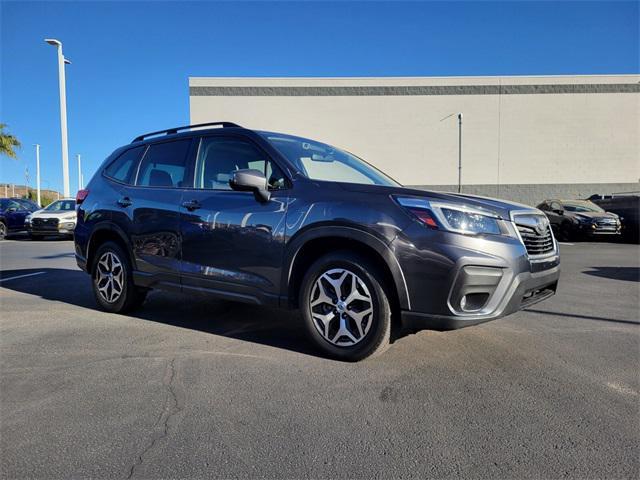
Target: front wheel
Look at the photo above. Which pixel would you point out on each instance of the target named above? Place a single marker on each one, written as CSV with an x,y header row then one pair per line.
x,y
345,306
566,232
112,278
3,230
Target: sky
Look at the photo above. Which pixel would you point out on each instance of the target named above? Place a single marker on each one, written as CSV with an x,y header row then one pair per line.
x,y
131,60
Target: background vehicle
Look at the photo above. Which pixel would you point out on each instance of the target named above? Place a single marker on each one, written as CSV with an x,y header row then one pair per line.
x,y
13,212
627,207
57,218
573,219
280,220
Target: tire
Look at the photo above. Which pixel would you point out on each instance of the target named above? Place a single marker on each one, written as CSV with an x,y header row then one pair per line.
x,y
326,316
3,230
111,258
566,233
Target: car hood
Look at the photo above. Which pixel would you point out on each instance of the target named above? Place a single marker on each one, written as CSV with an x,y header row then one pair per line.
x,y
592,214
500,208
43,214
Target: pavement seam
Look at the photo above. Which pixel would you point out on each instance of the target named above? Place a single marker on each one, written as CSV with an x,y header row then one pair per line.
x,y
171,408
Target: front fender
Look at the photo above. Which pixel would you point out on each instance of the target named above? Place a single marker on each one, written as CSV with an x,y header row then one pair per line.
x,y
296,243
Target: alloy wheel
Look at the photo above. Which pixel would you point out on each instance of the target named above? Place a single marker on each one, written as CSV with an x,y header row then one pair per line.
x,y
341,307
3,230
109,277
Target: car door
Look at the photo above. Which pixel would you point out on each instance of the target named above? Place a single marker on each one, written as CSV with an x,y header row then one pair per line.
x,y
148,211
232,244
15,214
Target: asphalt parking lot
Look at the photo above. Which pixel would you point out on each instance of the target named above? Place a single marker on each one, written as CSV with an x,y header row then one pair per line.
x,y
188,387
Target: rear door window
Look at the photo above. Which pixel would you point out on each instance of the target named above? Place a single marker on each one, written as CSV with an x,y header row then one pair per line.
x,y
164,165
122,168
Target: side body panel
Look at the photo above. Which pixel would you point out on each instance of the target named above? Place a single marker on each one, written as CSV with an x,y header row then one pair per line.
x,y
233,244
151,223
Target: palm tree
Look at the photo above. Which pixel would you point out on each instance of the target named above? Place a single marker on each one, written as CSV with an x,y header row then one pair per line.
x,y
8,143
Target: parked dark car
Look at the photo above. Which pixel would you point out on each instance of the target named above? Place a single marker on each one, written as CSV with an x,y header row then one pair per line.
x,y
627,207
13,212
279,220
579,219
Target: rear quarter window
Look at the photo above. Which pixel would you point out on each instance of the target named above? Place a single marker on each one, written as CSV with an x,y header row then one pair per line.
x,y
122,168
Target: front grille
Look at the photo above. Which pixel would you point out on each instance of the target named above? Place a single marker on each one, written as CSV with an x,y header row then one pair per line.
x,y
44,224
535,232
607,224
536,244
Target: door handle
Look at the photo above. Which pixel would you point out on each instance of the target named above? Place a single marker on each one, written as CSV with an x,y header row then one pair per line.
x,y
124,202
191,205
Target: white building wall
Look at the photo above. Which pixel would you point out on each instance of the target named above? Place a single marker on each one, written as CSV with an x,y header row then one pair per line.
x,y
508,138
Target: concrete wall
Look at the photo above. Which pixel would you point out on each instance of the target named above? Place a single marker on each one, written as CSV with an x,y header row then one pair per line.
x,y
531,136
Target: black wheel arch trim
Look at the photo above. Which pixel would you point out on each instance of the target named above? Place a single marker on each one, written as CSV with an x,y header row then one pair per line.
x,y
108,226
349,233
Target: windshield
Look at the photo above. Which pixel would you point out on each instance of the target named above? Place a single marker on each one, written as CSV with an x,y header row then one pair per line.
x,y
581,207
319,161
61,206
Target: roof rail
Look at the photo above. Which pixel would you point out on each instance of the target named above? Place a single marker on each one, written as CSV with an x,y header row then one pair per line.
x,y
171,131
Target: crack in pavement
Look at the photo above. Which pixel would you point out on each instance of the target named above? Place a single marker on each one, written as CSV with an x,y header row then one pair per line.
x,y
171,408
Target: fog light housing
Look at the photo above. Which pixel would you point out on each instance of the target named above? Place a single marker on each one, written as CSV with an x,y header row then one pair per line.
x,y
473,288
472,302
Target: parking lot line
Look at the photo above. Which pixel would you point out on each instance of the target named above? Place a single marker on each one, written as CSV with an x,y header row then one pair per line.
x,y
565,243
21,276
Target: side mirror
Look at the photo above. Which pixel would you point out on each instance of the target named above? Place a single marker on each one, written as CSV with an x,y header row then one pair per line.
x,y
12,209
251,180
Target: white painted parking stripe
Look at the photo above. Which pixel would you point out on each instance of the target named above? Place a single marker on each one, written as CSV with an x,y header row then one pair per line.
x,y
565,243
21,276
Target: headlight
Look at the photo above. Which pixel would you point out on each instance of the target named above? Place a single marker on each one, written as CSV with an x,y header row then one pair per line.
x,y
69,217
453,217
467,221
27,219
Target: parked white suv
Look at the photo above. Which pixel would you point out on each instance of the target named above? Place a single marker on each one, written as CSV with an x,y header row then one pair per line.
x,y
57,218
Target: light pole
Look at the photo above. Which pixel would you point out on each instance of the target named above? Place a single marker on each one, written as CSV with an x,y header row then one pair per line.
x,y
79,173
37,174
459,152
459,147
63,113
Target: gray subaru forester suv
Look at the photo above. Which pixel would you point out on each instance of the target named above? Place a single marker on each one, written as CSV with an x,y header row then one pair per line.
x,y
279,220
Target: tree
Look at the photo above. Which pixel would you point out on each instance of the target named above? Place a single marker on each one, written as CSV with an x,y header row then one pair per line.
x,y
8,143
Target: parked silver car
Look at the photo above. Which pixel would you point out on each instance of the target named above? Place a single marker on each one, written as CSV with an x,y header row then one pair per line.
x,y
57,218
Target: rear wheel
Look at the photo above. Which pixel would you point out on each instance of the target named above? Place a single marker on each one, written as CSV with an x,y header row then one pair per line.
x,y
345,306
3,230
112,278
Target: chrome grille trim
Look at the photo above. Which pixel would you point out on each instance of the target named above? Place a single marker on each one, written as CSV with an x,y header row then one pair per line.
x,y
539,242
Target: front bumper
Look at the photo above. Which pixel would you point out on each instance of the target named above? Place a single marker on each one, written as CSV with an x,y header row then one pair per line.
x,y
596,228
62,228
455,280
526,289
